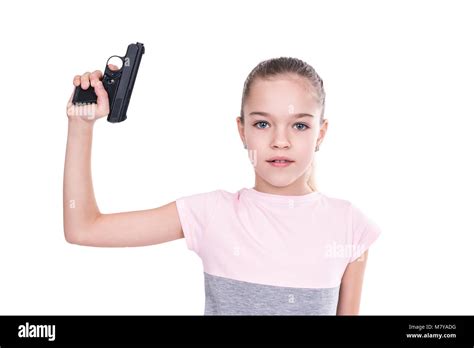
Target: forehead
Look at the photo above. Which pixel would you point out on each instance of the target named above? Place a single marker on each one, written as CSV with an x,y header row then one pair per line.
x,y
280,94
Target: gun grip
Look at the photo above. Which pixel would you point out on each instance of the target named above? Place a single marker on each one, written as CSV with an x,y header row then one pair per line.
x,y
82,96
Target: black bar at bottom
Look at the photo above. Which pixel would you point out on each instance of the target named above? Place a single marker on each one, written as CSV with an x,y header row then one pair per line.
x,y
42,331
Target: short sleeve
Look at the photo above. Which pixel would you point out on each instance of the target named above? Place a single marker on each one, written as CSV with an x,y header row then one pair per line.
x,y
364,232
195,212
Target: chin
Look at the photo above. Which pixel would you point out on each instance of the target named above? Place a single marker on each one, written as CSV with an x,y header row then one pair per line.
x,y
278,180
279,184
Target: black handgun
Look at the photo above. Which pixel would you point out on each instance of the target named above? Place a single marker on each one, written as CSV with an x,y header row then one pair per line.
x,y
118,84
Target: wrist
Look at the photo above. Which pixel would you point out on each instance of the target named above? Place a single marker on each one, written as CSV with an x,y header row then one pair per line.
x,y
77,122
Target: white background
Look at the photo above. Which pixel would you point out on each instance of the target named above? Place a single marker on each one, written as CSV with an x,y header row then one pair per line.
x,y
399,79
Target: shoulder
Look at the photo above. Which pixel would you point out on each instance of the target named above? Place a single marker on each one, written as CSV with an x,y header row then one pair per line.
x,y
362,228
355,214
206,199
335,205
204,195
342,205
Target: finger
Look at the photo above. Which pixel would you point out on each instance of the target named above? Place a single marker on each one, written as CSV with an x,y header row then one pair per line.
x,y
69,103
77,80
85,80
95,76
102,97
113,67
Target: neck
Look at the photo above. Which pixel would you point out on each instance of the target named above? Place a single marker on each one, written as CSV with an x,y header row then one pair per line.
x,y
297,188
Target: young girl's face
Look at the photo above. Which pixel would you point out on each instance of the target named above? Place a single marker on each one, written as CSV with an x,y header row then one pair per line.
x,y
282,118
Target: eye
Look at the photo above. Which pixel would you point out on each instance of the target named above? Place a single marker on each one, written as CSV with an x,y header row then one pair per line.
x,y
302,124
260,122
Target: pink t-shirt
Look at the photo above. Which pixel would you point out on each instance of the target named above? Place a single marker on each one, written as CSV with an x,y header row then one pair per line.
x,y
273,254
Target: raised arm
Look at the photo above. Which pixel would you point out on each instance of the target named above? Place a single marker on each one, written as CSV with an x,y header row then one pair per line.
x,y
84,224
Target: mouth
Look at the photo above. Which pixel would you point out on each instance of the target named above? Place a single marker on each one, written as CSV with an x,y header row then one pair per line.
x,y
280,162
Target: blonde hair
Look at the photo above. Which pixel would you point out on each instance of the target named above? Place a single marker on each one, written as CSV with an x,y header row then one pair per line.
x,y
283,66
311,179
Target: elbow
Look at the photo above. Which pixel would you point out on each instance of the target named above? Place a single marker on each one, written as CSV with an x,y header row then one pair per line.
x,y
75,234
70,237
74,237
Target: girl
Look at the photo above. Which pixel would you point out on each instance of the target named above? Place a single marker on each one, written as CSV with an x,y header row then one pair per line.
x,y
281,247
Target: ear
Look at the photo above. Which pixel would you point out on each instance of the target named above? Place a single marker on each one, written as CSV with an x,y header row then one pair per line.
x,y
240,128
322,131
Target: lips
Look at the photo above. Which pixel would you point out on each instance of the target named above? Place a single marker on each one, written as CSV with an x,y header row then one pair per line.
x,y
280,159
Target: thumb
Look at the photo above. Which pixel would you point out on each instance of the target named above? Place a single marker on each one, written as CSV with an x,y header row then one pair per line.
x,y
69,103
102,95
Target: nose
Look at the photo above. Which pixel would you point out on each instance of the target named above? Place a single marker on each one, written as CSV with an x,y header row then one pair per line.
x,y
280,140
281,145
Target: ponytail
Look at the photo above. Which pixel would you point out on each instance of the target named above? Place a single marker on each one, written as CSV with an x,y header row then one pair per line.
x,y
311,179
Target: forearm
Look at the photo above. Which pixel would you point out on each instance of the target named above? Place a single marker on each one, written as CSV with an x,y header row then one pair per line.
x,y
79,204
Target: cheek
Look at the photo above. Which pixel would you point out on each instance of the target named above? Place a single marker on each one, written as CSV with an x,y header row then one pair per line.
x,y
305,141
255,137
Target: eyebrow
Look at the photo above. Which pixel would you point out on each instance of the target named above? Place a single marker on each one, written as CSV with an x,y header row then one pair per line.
x,y
266,114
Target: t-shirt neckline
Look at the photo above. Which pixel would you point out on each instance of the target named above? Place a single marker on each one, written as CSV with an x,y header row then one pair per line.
x,y
271,197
